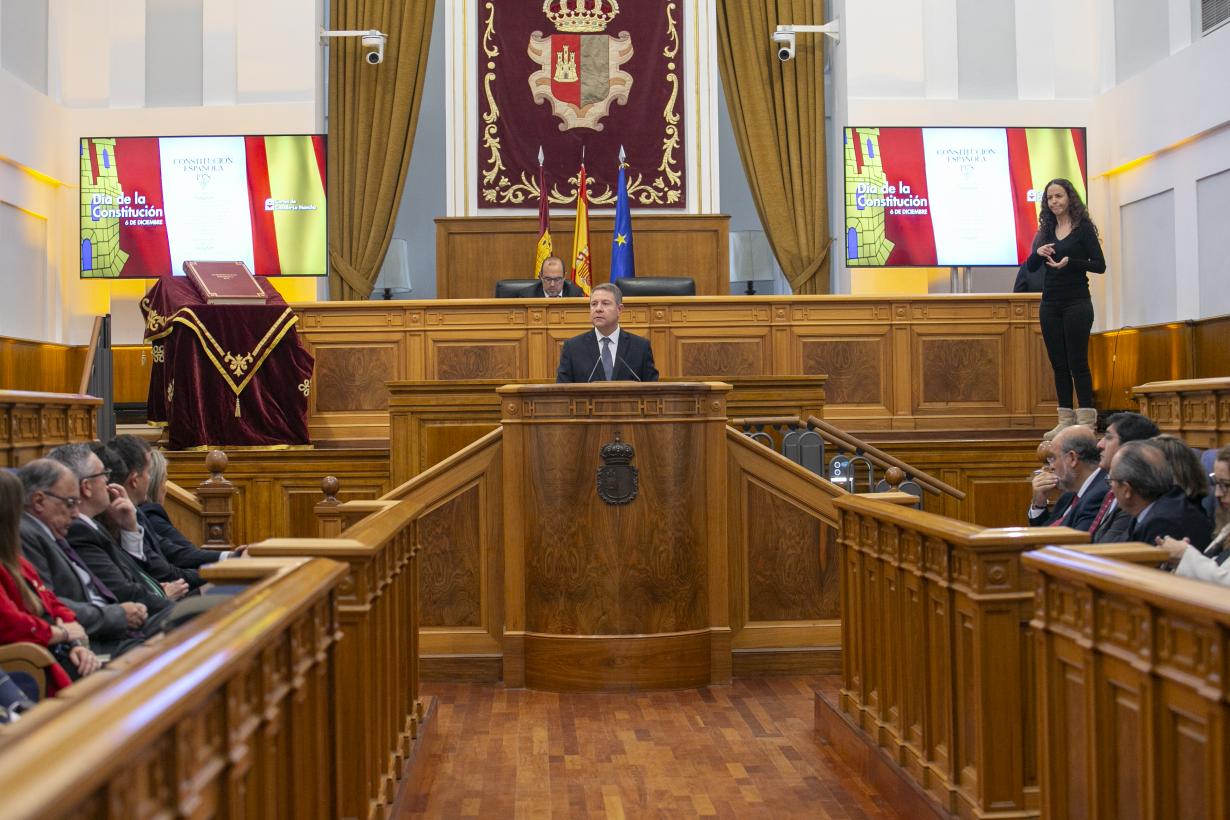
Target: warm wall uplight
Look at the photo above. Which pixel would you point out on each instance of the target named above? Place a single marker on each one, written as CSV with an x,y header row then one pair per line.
x,y
894,281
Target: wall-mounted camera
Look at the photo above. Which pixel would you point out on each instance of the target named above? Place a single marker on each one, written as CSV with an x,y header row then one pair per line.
x,y
785,42
373,42
785,37
373,48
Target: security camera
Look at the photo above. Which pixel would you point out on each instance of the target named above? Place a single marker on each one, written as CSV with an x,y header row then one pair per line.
x,y
373,45
785,41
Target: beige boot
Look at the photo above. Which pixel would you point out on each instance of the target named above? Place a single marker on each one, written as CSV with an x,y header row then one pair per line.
x,y
1067,417
1087,416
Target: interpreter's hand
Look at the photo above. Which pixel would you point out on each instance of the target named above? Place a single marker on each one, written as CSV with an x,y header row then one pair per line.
x,y
135,613
120,511
175,589
1173,546
1047,250
86,661
1044,482
1062,263
74,631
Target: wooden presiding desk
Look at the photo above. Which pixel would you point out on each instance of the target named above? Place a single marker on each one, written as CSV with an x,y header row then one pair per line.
x,y
602,595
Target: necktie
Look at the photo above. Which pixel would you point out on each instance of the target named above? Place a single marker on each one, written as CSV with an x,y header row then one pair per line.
x,y
72,555
608,363
1061,520
1106,502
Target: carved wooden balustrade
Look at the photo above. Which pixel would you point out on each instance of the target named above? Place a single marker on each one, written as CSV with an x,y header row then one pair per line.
x,y
1134,696
32,423
936,661
1196,410
204,516
232,715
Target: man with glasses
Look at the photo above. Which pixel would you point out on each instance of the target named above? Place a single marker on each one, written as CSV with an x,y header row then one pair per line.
x,y
50,505
1211,564
1074,462
551,281
1143,484
112,562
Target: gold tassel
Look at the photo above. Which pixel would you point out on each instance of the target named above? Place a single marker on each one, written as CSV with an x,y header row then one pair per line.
x,y
237,413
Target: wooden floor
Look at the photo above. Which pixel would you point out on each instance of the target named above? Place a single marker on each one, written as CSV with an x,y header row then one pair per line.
x,y
742,751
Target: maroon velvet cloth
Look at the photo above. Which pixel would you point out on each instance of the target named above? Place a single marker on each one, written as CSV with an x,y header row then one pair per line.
x,y
649,125
208,357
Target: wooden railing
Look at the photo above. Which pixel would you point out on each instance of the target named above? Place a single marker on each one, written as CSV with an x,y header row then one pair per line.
x,y
936,661
378,658
232,715
32,423
204,516
1134,699
1196,410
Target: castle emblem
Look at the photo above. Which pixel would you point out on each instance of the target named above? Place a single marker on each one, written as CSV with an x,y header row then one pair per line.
x,y
579,72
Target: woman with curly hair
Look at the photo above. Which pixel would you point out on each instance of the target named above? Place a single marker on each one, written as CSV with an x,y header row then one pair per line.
x,y
1067,248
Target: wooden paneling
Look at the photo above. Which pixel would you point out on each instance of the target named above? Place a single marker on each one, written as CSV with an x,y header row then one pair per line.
x,y
1134,710
926,363
936,662
277,490
621,590
473,253
41,367
430,421
232,715
32,423
130,370
1197,410
1122,359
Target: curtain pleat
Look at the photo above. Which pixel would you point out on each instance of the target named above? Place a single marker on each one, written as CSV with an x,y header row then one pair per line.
x,y
373,113
777,110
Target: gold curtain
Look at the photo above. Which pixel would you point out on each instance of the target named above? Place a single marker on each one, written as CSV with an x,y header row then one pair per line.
x,y
777,110
373,111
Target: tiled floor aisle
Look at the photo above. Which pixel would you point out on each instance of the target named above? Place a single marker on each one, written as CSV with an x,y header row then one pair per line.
x,y
743,751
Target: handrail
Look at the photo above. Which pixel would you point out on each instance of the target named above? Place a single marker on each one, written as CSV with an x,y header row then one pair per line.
x,y
193,686
856,445
87,369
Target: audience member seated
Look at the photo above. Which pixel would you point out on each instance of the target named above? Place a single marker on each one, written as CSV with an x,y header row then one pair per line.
x,y
17,695
1143,484
1111,523
113,626
157,524
1211,564
114,563
1189,476
29,612
1074,468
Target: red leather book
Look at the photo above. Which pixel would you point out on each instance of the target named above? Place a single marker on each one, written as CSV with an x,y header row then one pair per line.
x,y
225,283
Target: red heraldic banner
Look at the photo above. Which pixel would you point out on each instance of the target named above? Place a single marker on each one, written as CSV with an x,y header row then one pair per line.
x,y
567,74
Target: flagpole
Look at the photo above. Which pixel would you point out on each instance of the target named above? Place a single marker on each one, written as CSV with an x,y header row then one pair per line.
x,y
544,247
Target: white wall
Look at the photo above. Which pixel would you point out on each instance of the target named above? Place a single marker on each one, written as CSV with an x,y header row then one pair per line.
x,y
97,57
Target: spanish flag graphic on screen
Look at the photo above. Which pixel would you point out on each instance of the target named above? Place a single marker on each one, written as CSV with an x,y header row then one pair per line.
x,y
951,196
148,204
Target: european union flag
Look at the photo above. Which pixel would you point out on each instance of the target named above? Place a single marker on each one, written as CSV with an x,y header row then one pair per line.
x,y
623,261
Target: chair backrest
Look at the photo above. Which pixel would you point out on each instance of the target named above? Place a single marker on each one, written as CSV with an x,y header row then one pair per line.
x,y
514,288
658,286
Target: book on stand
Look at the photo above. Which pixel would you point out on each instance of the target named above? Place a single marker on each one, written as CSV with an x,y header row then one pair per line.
x,y
225,283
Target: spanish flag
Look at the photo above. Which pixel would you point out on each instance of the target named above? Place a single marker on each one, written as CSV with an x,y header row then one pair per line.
x,y
580,239
544,220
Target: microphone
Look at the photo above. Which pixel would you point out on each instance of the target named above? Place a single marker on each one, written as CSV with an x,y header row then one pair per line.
x,y
590,378
630,370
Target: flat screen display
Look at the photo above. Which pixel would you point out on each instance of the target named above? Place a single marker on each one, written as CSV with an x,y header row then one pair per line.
x,y
150,203
952,196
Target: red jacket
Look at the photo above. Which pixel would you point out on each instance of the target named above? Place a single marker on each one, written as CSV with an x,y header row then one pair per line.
x,y
18,625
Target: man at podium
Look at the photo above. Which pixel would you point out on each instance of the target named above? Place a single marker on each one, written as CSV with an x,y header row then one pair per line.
x,y
606,353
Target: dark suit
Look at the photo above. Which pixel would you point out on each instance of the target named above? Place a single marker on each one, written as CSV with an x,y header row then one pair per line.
x,y
160,549
116,568
1113,528
578,361
570,289
101,622
1176,515
1086,509
174,544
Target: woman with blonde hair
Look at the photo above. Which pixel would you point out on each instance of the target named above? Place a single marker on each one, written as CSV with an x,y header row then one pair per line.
x,y
29,612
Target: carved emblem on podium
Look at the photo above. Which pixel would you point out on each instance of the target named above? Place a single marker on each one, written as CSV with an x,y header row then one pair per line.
x,y
617,478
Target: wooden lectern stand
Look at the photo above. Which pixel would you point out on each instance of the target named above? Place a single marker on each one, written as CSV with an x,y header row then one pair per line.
x,y
610,596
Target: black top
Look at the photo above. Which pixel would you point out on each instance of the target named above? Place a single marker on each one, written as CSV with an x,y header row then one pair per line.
x,y
1084,253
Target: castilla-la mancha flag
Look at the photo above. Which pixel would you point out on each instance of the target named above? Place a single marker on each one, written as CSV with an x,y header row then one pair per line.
x,y
581,274
544,223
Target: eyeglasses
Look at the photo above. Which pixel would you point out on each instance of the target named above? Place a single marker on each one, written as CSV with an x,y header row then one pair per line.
x,y
71,502
1219,484
105,473
553,279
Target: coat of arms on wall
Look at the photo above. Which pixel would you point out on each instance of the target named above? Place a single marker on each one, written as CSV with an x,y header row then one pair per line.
x,y
569,75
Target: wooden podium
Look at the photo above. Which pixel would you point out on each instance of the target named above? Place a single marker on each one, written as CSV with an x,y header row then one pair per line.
x,y
610,596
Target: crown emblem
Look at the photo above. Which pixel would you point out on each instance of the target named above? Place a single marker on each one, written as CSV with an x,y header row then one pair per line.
x,y
617,453
580,15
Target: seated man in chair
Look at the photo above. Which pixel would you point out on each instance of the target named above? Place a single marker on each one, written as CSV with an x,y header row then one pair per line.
x,y
551,281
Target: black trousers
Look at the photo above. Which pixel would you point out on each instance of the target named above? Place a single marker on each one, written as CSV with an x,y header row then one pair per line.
x,y
1065,330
